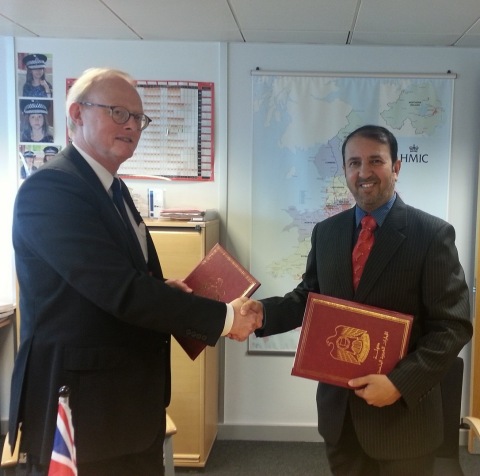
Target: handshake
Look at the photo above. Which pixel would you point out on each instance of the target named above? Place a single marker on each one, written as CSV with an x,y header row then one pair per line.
x,y
248,317
248,314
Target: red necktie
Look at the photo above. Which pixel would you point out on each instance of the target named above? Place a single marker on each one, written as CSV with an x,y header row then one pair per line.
x,y
362,247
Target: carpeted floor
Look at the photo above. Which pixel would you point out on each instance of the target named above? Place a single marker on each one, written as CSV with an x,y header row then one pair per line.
x,y
262,458
269,458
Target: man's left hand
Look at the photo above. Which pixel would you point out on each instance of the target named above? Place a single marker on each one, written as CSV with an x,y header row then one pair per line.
x,y
178,284
376,390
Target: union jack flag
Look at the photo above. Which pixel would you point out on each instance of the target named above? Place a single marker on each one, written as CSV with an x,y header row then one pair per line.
x,y
63,461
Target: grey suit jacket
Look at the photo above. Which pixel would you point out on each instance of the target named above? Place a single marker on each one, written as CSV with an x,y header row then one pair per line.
x,y
94,316
412,268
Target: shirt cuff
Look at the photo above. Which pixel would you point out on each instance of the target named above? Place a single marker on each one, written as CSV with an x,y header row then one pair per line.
x,y
228,320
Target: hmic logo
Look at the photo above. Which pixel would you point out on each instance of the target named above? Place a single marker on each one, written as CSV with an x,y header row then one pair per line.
x,y
414,156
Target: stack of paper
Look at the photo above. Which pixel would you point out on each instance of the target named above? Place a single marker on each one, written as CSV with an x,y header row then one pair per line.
x,y
187,214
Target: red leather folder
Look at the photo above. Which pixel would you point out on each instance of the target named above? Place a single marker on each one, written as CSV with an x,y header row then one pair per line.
x,y
221,277
341,340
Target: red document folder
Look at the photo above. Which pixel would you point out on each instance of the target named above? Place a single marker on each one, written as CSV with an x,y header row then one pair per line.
x,y
221,277
341,340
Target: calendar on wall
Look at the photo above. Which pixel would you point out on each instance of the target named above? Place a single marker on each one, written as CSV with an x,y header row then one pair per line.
x,y
179,142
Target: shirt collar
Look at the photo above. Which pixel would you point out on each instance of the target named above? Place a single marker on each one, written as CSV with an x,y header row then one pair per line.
x,y
102,173
379,213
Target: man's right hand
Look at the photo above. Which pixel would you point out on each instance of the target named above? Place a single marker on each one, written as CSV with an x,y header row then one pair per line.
x,y
246,319
250,305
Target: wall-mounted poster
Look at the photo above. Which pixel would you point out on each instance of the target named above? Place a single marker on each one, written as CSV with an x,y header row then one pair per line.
x,y
299,124
35,111
36,117
35,75
33,156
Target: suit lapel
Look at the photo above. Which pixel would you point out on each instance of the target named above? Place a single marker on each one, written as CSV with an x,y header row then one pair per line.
x,y
334,248
128,198
133,243
111,217
153,262
389,238
344,241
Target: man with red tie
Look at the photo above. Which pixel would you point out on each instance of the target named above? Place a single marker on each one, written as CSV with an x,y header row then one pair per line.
x,y
404,260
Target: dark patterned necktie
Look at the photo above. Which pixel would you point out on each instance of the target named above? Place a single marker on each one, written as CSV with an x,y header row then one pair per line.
x,y
362,247
119,202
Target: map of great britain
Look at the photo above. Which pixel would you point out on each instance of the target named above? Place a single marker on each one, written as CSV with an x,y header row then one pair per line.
x,y
299,124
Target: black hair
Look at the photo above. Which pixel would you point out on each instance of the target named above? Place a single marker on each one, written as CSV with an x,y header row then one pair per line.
x,y
376,133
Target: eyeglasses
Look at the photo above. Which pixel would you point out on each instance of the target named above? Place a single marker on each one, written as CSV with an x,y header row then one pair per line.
x,y
120,115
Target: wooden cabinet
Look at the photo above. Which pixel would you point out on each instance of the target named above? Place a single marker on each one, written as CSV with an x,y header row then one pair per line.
x,y
194,404
473,442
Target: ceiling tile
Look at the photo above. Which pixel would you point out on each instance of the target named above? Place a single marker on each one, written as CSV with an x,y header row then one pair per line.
x,y
401,39
89,19
295,37
471,37
367,22
418,17
179,19
9,28
285,15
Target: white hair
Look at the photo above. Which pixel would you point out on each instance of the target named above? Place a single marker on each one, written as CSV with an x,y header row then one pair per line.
x,y
89,78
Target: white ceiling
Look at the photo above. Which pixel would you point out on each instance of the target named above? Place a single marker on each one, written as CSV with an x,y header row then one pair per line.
x,y
332,22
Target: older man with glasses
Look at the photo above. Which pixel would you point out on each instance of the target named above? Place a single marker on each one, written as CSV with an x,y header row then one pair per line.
x,y
96,312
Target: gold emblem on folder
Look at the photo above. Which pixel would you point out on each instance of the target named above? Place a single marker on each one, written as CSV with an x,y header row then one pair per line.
x,y
213,288
349,344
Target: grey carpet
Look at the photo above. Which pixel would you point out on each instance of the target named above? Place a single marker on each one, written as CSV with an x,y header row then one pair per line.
x,y
271,458
262,458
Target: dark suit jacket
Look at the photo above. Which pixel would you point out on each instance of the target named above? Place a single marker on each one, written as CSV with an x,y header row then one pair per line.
x,y
94,316
413,268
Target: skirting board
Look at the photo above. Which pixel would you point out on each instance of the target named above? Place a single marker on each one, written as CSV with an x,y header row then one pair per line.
x,y
284,433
